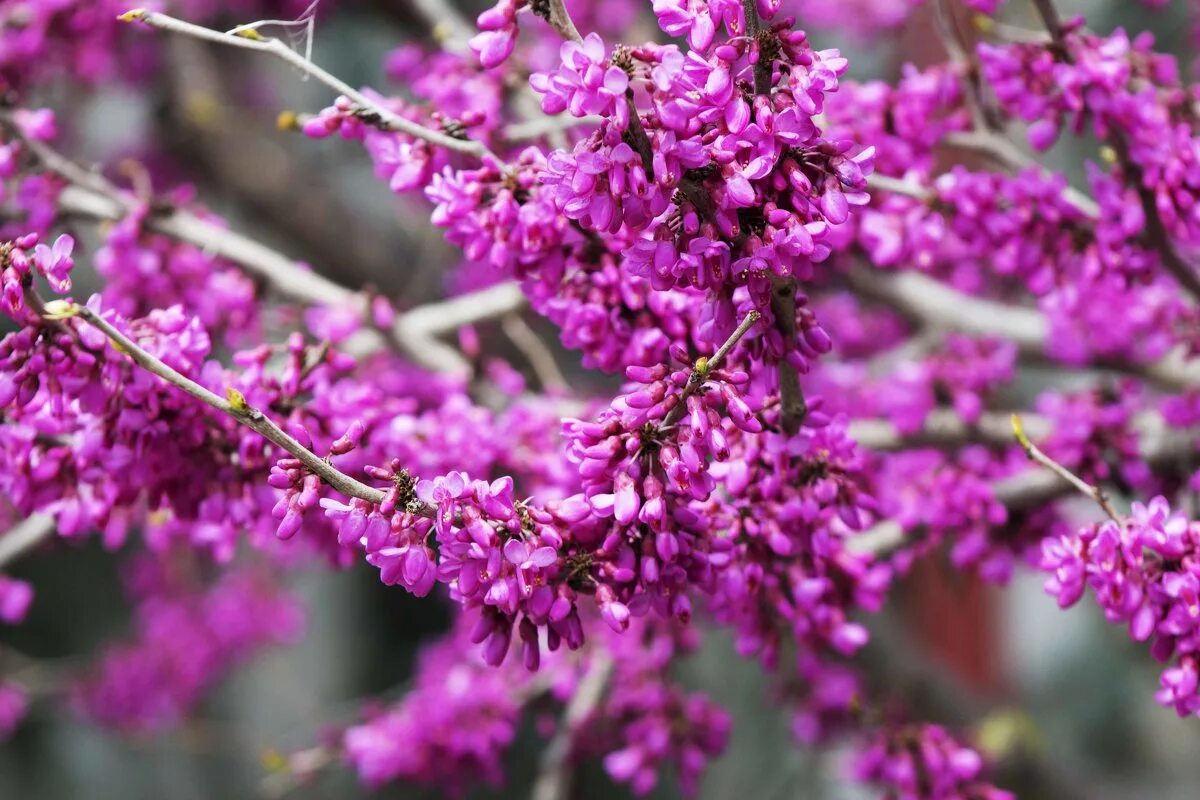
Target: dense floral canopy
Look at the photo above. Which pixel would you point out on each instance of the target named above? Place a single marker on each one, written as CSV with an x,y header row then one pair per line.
x,y
819,297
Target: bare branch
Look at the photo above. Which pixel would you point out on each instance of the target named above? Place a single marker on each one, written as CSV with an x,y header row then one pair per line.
x,y
413,333
554,776
447,316
24,536
535,351
252,40
237,409
1160,446
933,303
944,428
883,183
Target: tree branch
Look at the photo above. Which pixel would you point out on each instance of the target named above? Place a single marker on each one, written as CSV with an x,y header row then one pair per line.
x,y
554,775
944,428
252,40
447,316
236,408
535,351
559,18
24,536
1035,454
706,365
878,182
933,303
92,196
1160,447
793,408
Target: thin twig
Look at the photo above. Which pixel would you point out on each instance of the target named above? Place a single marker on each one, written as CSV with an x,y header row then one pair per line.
x,y
1035,454
236,408
251,40
1160,446
1052,21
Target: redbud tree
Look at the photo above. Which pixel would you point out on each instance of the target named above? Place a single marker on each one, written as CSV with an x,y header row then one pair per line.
x,y
820,301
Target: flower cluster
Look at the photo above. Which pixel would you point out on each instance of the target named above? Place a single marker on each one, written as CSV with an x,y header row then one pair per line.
x,y
19,265
144,271
423,739
647,721
730,194
911,762
186,641
963,372
1141,570
1130,95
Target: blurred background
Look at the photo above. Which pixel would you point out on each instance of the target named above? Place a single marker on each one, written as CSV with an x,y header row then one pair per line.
x,y
1067,692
